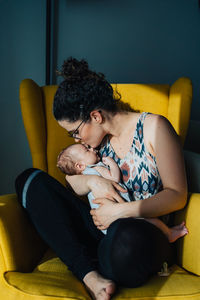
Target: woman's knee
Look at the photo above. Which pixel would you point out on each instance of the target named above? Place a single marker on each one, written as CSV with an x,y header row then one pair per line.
x,y
135,249
21,179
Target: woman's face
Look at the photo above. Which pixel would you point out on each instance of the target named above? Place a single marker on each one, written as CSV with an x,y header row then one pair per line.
x,y
90,133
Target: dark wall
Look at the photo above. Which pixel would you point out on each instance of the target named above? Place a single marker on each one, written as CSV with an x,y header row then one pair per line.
x,y
22,55
153,41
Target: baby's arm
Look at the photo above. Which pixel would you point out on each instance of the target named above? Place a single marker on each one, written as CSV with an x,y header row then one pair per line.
x,y
113,173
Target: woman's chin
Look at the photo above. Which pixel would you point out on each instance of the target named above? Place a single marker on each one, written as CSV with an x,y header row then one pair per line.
x,y
94,146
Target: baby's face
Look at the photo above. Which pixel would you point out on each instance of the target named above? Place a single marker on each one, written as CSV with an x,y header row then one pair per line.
x,y
87,155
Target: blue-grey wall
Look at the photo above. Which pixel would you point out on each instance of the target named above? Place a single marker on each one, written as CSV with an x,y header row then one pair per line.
x,y
152,41
22,55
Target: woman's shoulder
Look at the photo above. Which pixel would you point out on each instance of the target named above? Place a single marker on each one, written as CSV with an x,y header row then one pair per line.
x,y
156,129
154,122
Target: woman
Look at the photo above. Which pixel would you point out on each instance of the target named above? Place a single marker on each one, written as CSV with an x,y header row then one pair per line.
x,y
147,150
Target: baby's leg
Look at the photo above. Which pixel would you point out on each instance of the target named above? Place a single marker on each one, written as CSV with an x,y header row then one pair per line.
x,y
172,233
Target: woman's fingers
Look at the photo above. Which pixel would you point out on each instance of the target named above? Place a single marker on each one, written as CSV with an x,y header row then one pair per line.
x,y
93,214
95,219
119,187
96,222
116,195
92,211
101,201
101,227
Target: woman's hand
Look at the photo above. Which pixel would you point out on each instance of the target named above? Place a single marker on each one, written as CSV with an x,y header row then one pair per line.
x,y
100,187
107,212
105,188
106,193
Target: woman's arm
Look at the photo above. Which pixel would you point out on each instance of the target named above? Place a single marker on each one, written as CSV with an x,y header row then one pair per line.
x,y
100,187
163,142
165,146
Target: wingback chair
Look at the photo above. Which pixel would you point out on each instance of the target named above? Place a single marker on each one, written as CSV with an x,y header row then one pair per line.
x,y
29,270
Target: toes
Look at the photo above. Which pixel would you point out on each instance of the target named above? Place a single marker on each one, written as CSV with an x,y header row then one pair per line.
x,y
105,293
102,295
110,289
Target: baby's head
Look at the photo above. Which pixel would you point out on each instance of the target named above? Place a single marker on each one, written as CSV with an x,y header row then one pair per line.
x,y
74,159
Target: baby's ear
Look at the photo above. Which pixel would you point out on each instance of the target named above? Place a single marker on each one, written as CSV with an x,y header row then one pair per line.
x,y
80,166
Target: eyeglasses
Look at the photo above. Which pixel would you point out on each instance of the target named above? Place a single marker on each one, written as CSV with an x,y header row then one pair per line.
x,y
74,133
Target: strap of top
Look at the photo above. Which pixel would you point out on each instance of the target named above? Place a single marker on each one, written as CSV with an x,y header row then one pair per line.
x,y
139,127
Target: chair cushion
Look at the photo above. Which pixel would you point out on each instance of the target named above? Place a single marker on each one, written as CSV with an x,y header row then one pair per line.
x,y
51,278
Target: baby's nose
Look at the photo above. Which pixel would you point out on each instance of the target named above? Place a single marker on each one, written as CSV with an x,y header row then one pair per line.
x,y
84,144
77,140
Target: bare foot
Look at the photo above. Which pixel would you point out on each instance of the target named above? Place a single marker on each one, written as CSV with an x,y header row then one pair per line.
x,y
99,287
177,231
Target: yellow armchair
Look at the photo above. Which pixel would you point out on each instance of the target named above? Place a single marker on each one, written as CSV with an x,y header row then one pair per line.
x,y
31,271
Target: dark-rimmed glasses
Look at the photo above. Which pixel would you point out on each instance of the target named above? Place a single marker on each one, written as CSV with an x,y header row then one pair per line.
x,y
74,133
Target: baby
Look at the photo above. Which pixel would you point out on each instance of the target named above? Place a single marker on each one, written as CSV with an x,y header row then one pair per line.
x,y
79,159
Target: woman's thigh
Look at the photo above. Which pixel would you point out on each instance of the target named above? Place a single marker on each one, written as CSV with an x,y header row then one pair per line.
x,y
46,198
132,251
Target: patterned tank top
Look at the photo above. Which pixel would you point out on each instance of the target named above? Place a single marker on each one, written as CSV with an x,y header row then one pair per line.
x,y
139,169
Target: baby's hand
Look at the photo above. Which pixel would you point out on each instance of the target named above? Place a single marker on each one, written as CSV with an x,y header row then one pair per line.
x,y
107,160
113,168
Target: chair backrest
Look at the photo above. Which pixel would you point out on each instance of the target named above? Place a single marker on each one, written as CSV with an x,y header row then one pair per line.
x,y
46,138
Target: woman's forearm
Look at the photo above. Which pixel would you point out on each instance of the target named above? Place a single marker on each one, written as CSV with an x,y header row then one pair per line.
x,y
100,187
160,204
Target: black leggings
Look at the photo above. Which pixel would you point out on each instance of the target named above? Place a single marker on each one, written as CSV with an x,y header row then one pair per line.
x,y
129,254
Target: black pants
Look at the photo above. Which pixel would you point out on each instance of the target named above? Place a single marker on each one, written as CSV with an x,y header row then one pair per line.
x,y
129,254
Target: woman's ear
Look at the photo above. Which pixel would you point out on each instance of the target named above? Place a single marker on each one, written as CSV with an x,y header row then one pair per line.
x,y
96,116
80,166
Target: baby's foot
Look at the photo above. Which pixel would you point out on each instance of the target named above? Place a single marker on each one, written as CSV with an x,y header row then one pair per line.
x,y
99,287
177,231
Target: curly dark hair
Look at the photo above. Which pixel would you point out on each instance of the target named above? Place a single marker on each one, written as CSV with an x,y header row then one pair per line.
x,y
83,91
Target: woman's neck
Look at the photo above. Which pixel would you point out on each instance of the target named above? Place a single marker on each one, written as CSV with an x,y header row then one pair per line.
x,y
116,125
121,129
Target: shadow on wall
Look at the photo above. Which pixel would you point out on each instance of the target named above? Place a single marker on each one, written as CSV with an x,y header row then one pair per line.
x,y
192,142
192,165
192,156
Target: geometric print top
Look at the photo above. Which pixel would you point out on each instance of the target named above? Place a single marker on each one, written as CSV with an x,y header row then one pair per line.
x,y
138,168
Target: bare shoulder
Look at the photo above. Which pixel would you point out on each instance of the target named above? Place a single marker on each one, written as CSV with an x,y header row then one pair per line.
x,y
166,147
158,129
154,122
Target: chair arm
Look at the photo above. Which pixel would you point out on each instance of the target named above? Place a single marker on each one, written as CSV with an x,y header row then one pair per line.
x,y
188,248
180,99
32,108
20,245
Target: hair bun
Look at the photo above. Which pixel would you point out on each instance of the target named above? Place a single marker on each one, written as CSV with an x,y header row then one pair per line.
x,y
73,68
